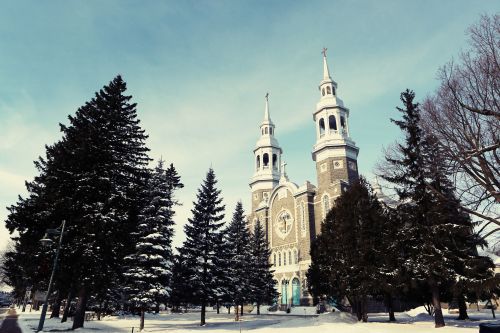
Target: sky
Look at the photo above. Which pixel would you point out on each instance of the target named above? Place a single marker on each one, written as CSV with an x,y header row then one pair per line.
x,y
199,70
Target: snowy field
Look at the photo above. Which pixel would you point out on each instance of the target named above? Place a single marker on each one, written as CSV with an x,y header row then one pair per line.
x,y
412,321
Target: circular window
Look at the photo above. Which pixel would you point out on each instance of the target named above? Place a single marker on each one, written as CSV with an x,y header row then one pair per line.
x,y
283,223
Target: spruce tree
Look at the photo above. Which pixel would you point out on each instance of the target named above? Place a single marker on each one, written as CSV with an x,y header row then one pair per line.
x,y
347,256
149,268
92,178
237,240
436,232
199,250
261,275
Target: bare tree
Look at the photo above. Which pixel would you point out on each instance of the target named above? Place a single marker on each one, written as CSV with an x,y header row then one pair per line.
x,y
464,115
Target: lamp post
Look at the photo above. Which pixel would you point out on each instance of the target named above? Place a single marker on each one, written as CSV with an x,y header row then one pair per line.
x,y
46,241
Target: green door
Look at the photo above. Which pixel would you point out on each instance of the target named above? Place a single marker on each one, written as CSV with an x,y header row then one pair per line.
x,y
295,292
284,296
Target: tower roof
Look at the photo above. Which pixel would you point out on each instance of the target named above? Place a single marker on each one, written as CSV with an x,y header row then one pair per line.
x,y
326,71
267,117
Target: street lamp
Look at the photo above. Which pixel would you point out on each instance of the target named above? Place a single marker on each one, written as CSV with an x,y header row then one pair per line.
x,y
45,242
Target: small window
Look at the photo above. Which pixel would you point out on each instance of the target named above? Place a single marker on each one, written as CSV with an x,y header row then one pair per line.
x,y
275,161
262,131
279,259
271,130
321,127
290,257
342,121
258,161
296,255
328,90
284,259
333,89
332,122
265,130
323,91
274,260
265,160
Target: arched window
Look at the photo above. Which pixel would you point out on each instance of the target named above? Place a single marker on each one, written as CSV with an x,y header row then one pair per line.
x,y
332,122
290,257
275,161
321,127
262,131
265,130
296,255
258,162
328,90
326,205
265,160
342,121
270,130
279,259
274,260
284,258
323,91
333,88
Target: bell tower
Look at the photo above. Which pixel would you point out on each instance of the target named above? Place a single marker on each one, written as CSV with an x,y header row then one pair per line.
x,y
334,152
267,160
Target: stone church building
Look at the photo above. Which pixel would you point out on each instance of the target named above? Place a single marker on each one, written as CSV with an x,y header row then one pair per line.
x,y
292,214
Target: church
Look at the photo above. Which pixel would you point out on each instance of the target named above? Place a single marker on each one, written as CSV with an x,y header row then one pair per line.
x,y
292,214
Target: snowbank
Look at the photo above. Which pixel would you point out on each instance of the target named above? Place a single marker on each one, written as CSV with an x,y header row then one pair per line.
x,y
336,317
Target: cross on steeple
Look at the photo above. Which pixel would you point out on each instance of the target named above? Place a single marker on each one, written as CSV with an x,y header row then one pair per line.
x,y
324,52
267,96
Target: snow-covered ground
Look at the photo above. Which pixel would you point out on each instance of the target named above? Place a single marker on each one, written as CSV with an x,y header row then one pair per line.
x,y
413,321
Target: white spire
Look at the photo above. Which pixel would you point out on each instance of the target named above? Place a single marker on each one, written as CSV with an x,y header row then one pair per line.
x,y
267,118
326,72
267,122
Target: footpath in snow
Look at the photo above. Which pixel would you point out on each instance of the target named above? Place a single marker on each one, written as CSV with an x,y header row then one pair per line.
x,y
412,321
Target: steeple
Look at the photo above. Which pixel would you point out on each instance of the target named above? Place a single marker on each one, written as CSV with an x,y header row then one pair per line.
x,y
267,154
267,126
331,118
326,72
327,86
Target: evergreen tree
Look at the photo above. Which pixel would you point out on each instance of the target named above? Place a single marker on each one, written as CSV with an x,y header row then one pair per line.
x,y
347,256
237,245
261,275
199,250
436,231
149,268
92,178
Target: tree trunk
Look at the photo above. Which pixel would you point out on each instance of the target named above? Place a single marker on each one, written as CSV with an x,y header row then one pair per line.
x,y
462,308
157,307
390,307
141,325
436,302
363,309
241,311
358,309
258,308
217,305
56,307
67,306
229,309
203,305
79,317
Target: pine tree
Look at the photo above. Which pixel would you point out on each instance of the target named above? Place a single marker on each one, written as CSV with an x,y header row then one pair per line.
x,y
436,231
199,250
347,256
149,268
92,178
261,275
237,245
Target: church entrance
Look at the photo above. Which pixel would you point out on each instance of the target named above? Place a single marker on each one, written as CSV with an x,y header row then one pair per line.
x,y
284,292
295,292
